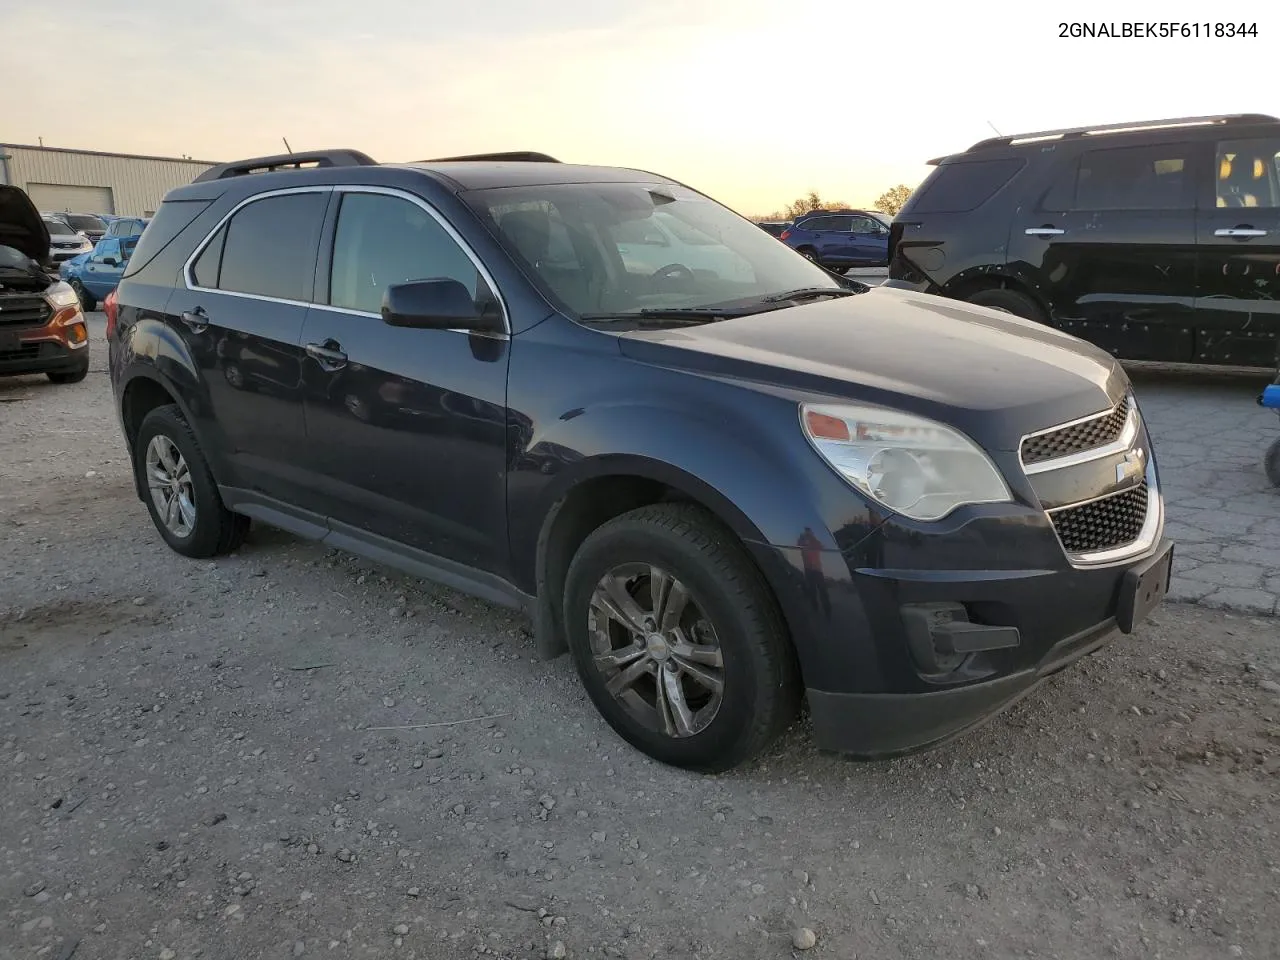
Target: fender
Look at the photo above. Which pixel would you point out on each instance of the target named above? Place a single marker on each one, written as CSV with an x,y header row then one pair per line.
x,y
763,488
157,353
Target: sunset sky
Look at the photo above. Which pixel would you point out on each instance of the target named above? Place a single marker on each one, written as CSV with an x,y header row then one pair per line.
x,y
751,101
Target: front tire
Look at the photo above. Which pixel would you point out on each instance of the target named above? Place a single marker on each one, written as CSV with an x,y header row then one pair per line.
x,y
63,377
180,492
87,303
678,640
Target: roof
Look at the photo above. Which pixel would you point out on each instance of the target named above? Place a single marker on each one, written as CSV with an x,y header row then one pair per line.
x,y
481,175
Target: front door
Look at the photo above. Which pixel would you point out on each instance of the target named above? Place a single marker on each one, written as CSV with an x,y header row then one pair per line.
x,y
406,427
240,312
1111,244
869,239
1238,244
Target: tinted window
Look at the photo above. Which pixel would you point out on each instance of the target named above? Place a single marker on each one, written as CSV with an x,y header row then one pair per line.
x,y
1248,173
836,224
1134,178
171,219
866,225
384,240
85,222
58,228
270,248
204,272
963,186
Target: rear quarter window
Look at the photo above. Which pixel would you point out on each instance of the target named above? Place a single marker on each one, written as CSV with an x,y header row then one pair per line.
x,y
171,219
963,185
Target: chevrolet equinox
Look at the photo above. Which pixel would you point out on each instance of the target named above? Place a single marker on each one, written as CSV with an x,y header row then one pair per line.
x,y
725,484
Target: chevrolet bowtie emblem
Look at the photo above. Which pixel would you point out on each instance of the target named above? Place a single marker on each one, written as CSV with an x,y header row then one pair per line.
x,y
1131,466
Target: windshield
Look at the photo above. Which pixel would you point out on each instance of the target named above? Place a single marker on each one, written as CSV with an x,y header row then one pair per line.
x,y
85,222
58,228
610,249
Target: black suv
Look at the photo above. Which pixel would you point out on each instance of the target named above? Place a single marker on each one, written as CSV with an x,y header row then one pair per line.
x,y
1156,241
41,327
718,491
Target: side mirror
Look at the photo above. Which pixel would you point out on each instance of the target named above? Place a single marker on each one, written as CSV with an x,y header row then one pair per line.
x,y
439,304
111,261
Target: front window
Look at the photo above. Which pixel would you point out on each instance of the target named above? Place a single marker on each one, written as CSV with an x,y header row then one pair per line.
x,y
623,249
59,229
1248,174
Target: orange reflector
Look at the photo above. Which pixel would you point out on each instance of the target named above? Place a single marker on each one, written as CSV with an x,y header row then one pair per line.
x,y
76,333
823,427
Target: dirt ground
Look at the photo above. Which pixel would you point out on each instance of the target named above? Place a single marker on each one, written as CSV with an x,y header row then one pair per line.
x,y
195,761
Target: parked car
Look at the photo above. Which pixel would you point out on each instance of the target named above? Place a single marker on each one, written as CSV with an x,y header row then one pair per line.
x,y
1155,241
840,239
718,493
94,274
774,228
64,241
86,224
124,227
41,327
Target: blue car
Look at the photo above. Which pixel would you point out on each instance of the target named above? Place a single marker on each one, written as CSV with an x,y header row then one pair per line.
x,y
95,274
840,239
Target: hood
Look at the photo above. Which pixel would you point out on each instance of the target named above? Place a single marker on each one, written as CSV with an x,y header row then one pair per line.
x,y
990,374
20,224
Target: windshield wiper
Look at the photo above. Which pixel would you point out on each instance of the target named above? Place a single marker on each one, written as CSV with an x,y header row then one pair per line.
x,y
809,293
669,313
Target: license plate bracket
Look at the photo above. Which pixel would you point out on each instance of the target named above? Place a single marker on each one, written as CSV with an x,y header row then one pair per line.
x,y
1142,589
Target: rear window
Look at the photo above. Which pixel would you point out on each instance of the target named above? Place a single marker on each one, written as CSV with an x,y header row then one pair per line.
x,y
171,219
964,185
81,222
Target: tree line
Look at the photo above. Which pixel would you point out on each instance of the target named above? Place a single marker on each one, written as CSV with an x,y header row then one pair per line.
x,y
890,202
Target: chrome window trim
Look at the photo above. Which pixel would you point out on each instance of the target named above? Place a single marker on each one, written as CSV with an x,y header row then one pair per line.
x,y
1148,536
1122,443
191,285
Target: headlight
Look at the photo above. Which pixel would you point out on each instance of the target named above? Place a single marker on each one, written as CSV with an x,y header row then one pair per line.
x,y
911,465
61,295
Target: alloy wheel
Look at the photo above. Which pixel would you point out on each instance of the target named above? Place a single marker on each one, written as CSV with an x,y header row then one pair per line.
x,y
656,649
169,480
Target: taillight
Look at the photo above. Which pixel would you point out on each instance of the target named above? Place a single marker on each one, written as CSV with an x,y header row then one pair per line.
x,y
784,234
111,309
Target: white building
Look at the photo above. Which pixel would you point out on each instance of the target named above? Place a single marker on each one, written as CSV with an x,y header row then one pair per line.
x,y
86,181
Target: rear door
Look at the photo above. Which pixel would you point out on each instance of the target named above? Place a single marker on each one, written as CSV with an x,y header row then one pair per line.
x,y
1111,244
1237,311
240,311
869,241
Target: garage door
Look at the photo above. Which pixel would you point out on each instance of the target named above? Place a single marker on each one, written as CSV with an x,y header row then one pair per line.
x,y
60,198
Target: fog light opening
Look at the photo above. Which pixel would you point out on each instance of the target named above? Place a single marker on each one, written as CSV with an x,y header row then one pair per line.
x,y
942,637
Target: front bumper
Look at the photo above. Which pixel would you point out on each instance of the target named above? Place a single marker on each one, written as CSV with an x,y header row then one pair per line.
x,y
876,725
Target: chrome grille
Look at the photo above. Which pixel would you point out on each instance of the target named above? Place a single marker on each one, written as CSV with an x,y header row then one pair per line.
x,y
30,311
1102,524
1078,437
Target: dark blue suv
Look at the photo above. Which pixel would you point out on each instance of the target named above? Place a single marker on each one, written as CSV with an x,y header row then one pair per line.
x,y
720,477
840,239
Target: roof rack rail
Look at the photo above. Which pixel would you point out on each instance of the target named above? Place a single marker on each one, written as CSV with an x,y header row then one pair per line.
x,y
516,156
287,161
1226,119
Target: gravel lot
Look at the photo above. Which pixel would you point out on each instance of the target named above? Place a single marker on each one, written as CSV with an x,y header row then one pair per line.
x,y
192,765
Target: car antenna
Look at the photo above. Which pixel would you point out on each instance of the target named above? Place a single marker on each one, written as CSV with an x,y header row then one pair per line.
x,y
287,148
993,127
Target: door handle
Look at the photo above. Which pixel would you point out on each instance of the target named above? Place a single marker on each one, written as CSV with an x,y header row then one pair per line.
x,y
1044,231
1240,232
328,354
197,320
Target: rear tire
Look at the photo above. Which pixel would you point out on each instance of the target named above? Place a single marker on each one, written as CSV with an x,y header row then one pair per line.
x,y
1010,301
809,254
194,521
726,628
1271,463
